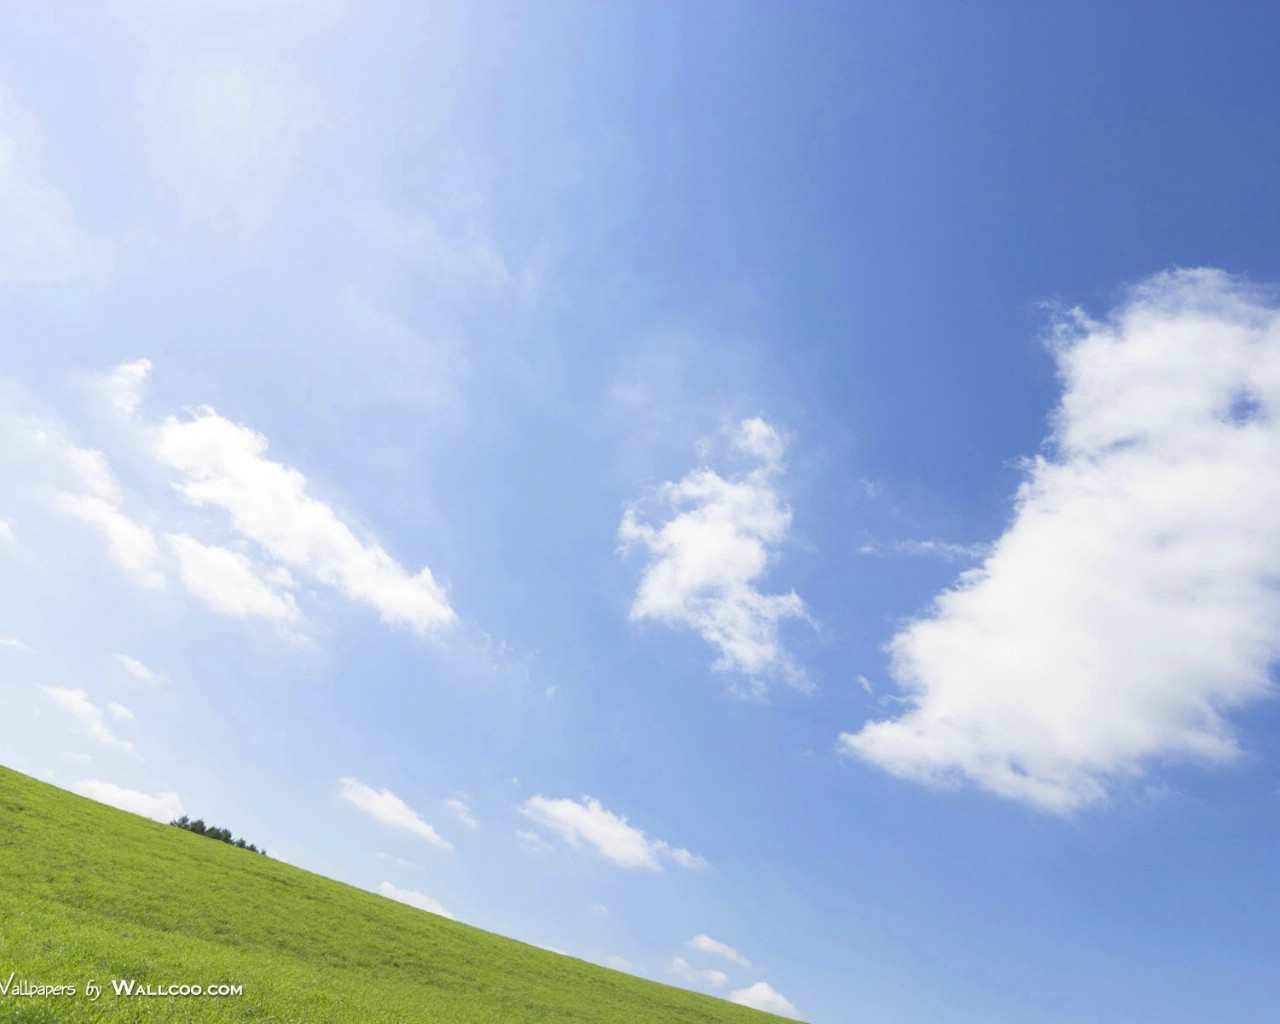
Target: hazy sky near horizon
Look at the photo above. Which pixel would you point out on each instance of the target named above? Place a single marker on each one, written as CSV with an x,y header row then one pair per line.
x,y
779,499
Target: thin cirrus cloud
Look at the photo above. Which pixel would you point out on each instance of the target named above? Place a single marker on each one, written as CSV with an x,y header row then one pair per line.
x,y
91,718
706,944
384,806
160,806
1133,601
609,834
705,560
763,996
414,899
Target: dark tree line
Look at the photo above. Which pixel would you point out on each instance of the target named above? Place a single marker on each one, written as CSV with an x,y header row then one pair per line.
x,y
213,832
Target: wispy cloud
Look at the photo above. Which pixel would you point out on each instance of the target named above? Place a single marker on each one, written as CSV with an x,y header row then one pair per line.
x,y
706,944
762,996
681,968
533,841
462,812
400,861
14,644
91,718
609,834
706,558
384,806
132,545
945,550
140,671
161,806
414,899
40,241
1133,599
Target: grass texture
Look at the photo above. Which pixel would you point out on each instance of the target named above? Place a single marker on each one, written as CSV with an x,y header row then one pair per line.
x,y
91,892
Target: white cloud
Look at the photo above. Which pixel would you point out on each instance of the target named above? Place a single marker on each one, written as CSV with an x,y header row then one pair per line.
x,y
119,712
462,812
6,532
162,807
140,671
414,899
762,996
622,964
125,384
228,582
705,560
706,944
945,550
533,841
224,464
400,861
680,967
384,806
1132,601
14,644
608,833
132,546
92,721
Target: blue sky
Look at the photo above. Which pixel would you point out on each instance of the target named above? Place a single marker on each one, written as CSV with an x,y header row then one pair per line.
x,y
775,498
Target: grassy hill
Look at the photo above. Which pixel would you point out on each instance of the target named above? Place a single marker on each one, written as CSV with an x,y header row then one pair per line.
x,y
88,891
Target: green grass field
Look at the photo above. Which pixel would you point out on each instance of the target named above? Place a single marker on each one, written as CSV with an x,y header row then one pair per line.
x,y
91,892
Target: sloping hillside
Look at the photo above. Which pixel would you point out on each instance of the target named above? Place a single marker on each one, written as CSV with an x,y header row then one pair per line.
x,y
88,892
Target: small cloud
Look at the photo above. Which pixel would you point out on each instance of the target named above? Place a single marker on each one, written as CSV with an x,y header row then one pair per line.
x,y
140,671
942,549
865,683
533,841
706,944
620,964
162,807
120,712
6,532
12,643
414,899
125,384
400,861
599,908
550,692
607,833
706,558
680,967
762,996
92,721
385,807
462,812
